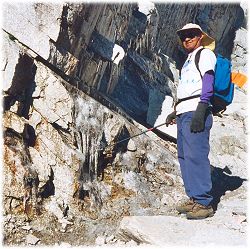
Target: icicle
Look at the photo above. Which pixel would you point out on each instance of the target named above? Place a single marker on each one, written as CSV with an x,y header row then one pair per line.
x,y
96,159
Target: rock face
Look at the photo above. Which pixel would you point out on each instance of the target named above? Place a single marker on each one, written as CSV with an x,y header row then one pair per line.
x,y
146,230
79,80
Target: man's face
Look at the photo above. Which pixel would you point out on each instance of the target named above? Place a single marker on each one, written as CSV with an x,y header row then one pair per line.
x,y
191,39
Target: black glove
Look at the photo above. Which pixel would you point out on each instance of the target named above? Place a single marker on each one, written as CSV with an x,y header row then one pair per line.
x,y
170,118
198,119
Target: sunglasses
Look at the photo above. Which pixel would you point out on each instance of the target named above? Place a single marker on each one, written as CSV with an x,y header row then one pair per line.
x,y
190,34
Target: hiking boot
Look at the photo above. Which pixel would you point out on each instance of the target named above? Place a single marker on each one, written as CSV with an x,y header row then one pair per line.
x,y
186,206
200,212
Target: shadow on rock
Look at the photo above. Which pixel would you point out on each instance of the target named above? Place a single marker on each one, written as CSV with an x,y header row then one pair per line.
x,y
222,181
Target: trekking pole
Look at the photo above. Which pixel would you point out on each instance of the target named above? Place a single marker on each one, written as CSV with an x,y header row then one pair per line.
x,y
150,129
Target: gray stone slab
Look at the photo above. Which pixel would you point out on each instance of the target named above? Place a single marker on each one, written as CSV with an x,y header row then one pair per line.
x,y
171,230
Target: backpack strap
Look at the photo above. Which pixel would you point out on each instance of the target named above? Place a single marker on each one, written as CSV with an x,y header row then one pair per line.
x,y
197,59
184,99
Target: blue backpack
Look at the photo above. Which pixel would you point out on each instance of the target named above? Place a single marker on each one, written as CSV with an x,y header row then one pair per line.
x,y
223,86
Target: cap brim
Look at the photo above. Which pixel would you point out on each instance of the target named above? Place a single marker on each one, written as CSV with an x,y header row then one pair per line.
x,y
208,41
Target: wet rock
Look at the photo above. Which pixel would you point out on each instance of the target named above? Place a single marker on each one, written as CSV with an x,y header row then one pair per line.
x,y
63,60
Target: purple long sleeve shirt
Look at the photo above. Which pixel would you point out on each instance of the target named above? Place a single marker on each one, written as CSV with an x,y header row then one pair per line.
x,y
207,87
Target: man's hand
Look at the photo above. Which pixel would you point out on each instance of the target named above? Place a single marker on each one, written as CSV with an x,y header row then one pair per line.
x,y
198,119
171,119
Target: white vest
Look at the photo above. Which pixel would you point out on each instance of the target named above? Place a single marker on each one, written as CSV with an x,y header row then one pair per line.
x,y
190,80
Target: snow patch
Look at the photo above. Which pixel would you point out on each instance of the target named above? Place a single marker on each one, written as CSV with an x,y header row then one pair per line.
x,y
118,54
165,110
146,7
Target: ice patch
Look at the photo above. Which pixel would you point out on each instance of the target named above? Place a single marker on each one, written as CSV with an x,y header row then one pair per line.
x,y
165,110
85,114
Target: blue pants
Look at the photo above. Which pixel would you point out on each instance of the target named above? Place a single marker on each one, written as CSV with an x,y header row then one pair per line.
x,y
193,150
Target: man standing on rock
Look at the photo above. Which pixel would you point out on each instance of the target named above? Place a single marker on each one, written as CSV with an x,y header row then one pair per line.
x,y
194,121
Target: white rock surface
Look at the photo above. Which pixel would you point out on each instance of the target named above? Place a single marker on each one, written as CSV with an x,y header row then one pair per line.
x,y
100,240
131,145
53,207
40,165
239,54
228,140
31,239
54,102
13,121
9,59
42,20
177,231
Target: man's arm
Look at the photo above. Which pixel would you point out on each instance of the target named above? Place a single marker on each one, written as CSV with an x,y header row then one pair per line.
x,y
207,86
